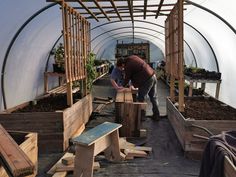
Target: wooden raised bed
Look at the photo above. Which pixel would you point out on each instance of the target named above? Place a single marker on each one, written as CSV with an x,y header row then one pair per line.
x,y
28,142
187,129
54,128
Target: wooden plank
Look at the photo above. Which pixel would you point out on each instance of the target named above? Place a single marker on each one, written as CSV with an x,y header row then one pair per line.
x,y
128,96
60,174
96,133
15,161
124,144
79,131
101,102
119,97
102,98
134,153
68,160
99,108
60,167
143,148
53,169
29,146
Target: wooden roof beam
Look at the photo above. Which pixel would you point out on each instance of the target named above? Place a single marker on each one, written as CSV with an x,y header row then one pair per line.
x,y
101,9
159,8
115,8
130,4
87,9
145,9
135,6
127,11
128,16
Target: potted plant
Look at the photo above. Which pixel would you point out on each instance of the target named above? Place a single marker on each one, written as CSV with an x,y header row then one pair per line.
x,y
59,65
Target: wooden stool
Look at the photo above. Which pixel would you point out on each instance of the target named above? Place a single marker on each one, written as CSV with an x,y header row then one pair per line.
x,y
102,137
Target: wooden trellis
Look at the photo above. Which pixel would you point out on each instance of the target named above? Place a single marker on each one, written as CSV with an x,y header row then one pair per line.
x,y
174,51
76,42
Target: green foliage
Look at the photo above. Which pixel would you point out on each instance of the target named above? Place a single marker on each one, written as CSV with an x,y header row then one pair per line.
x,y
91,73
59,55
100,62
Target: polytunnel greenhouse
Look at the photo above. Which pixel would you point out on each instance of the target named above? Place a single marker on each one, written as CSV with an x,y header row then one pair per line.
x,y
118,88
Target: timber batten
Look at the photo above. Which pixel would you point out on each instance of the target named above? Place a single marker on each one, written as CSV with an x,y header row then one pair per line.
x,y
28,142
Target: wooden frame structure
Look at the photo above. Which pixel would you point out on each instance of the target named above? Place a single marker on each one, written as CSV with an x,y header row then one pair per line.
x,y
174,51
115,10
76,35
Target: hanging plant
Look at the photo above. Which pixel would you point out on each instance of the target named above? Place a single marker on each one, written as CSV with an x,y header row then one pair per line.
x,y
91,73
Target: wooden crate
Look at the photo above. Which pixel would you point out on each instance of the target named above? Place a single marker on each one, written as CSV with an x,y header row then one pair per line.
x,y
185,130
129,113
28,142
54,128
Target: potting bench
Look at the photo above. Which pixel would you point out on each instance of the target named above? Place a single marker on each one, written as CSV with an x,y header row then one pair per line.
x,y
203,84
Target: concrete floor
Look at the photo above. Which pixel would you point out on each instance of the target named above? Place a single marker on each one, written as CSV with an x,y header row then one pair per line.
x,y
166,159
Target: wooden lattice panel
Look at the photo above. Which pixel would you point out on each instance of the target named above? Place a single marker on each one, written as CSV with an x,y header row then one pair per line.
x,y
174,50
75,32
76,35
174,40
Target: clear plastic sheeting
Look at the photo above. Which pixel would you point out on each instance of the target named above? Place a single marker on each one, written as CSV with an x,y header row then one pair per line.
x,y
27,56
202,51
221,38
209,41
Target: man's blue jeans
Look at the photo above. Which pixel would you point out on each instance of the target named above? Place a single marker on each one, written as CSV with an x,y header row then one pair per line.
x,y
150,88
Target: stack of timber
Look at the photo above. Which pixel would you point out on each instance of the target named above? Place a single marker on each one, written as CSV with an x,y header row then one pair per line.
x,y
131,150
66,164
102,103
129,113
54,128
18,153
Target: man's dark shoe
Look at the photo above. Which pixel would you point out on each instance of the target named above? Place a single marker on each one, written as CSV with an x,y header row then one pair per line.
x,y
163,117
155,117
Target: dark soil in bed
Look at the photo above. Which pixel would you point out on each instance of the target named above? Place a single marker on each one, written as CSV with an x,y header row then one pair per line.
x,y
51,103
208,108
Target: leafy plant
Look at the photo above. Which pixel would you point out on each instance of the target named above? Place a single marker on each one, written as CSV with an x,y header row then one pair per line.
x,y
91,73
59,55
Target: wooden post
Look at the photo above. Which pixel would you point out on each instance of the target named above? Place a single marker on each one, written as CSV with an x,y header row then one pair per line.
x,y
172,67
84,161
217,90
45,83
203,85
190,92
180,55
